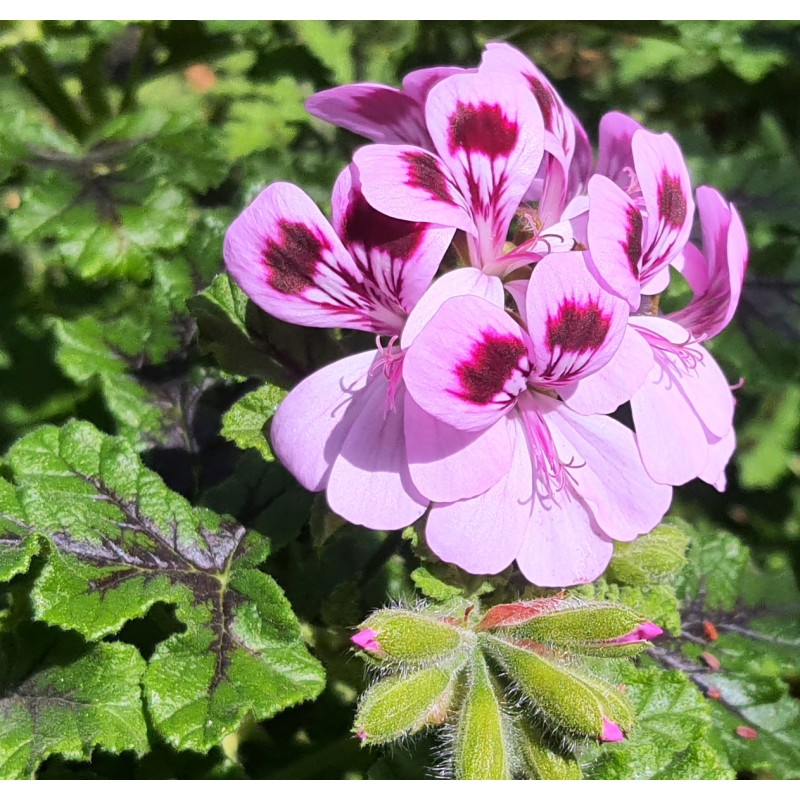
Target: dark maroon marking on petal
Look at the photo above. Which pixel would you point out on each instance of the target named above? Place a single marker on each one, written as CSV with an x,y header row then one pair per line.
x,y
291,259
577,328
544,97
671,200
424,173
492,362
484,129
633,244
375,231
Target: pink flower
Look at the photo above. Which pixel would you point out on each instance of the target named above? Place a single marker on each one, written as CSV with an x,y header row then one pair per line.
x,y
574,482
341,429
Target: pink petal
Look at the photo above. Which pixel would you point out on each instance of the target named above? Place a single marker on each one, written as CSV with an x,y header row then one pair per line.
x,y
615,156
483,534
417,84
311,423
695,373
615,233
604,391
369,483
563,546
692,264
671,439
397,259
447,464
606,471
289,261
719,454
580,169
667,192
459,282
376,112
717,291
412,184
575,325
490,135
468,364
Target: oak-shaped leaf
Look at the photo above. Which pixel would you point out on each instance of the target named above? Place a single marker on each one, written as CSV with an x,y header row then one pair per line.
x,y
17,543
245,423
120,542
77,701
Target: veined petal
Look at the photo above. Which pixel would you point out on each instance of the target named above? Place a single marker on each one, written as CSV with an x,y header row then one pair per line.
x,y
412,184
616,239
459,282
380,113
490,135
580,168
468,364
396,258
667,193
287,258
418,83
574,324
447,464
716,280
614,153
671,439
606,471
692,370
604,391
483,534
311,423
563,546
369,483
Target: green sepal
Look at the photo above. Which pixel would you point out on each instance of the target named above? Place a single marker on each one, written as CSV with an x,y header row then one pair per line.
x,y
589,628
541,759
654,558
413,638
397,707
573,701
481,748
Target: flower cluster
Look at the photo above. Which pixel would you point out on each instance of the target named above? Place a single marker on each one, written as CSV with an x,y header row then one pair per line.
x,y
513,287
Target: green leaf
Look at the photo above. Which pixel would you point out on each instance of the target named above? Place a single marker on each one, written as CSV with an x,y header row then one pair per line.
x,y
655,558
18,545
246,422
121,541
332,44
72,706
667,742
433,587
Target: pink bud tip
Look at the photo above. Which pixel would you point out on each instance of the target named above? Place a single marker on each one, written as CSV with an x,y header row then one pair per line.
x,y
645,632
361,736
366,640
746,733
611,732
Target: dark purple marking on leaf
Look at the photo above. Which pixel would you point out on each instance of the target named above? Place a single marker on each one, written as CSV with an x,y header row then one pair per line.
x,y
482,129
424,173
633,243
577,328
544,97
671,201
492,362
291,259
375,231
143,550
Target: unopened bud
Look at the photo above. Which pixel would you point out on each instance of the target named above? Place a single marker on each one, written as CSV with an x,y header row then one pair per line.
x,y
542,759
409,637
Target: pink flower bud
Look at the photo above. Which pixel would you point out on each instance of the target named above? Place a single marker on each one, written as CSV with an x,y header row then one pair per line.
x,y
645,632
611,732
367,640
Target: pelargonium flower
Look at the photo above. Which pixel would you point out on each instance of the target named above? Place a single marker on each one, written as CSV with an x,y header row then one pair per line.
x,y
575,482
341,429
681,402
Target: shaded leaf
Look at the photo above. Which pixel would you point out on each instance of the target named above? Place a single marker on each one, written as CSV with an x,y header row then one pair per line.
x,y
245,424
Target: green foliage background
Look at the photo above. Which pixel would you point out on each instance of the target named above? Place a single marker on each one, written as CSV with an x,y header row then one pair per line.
x,y
125,151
